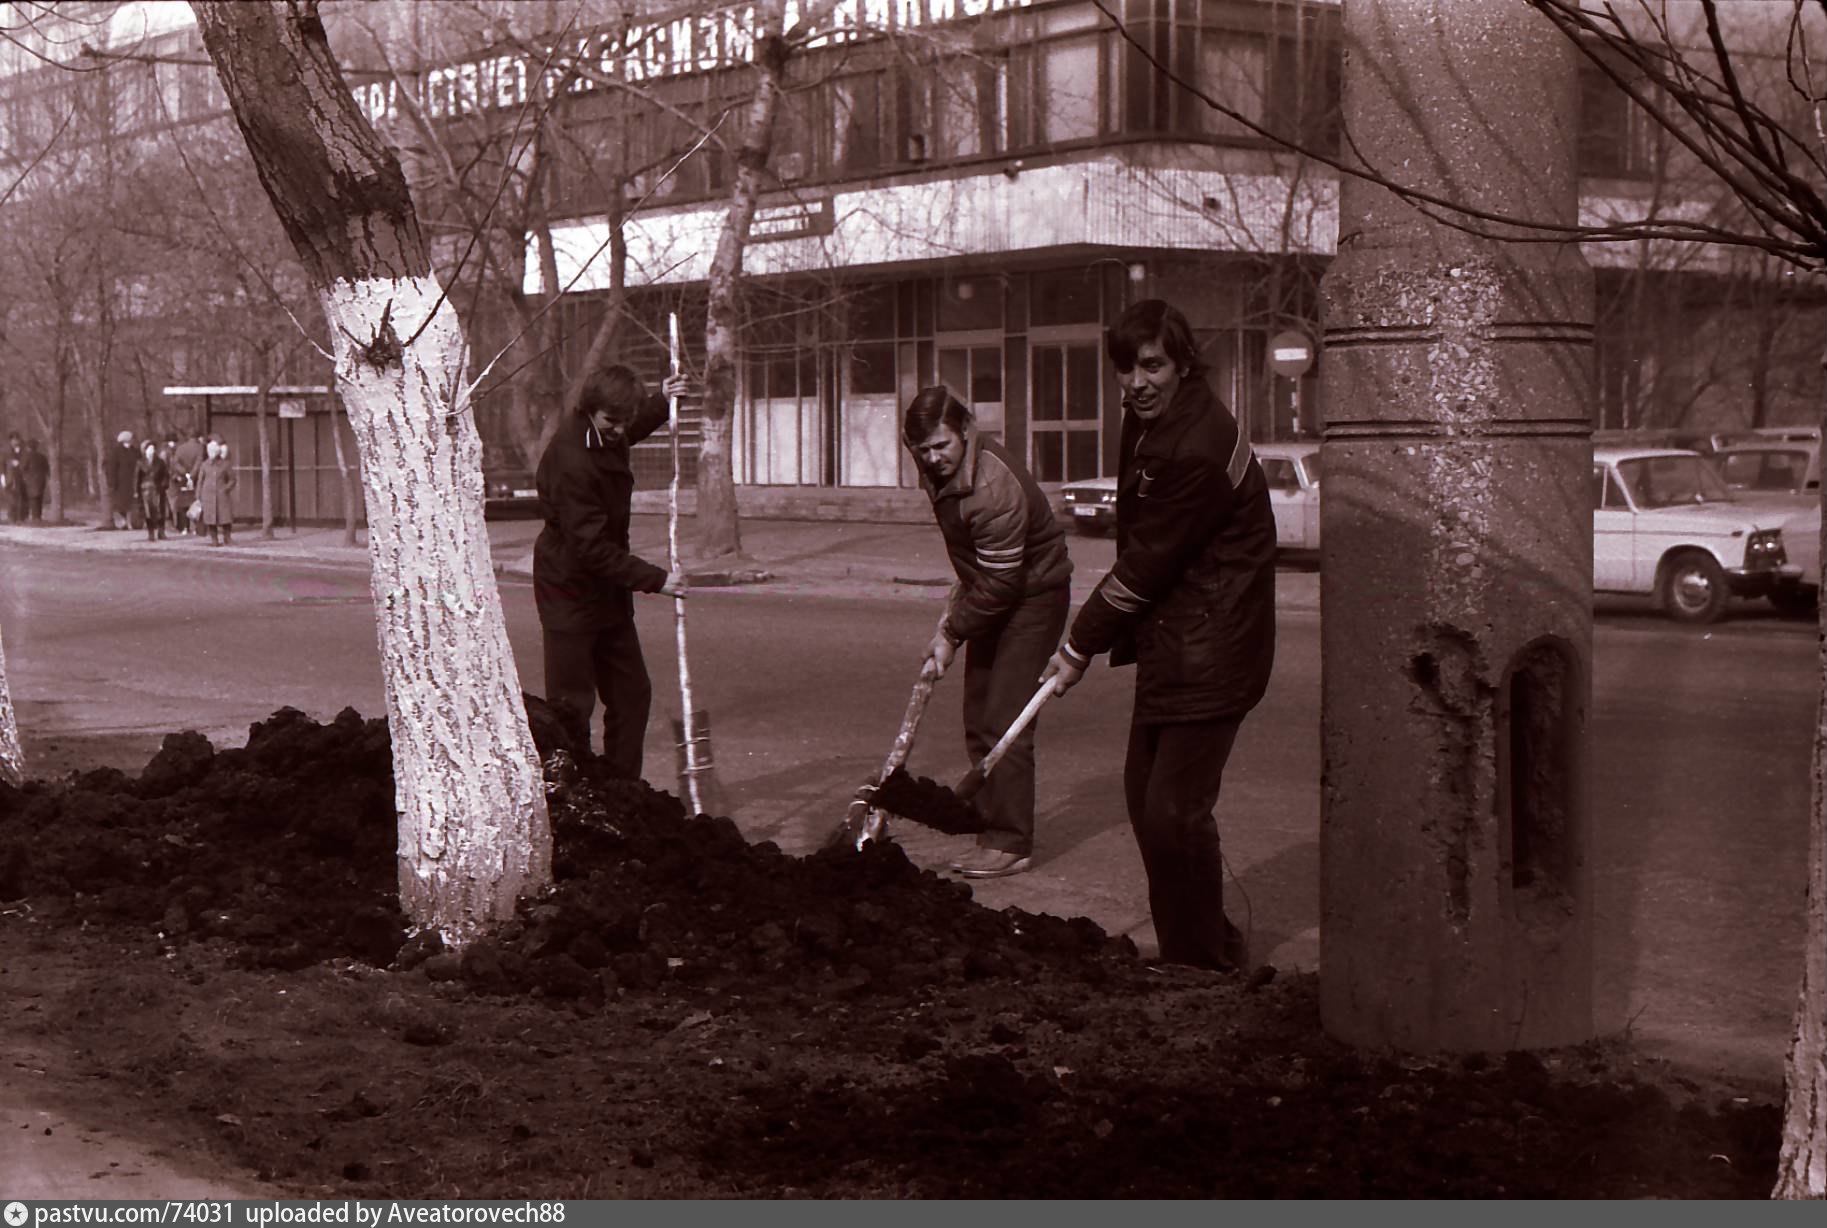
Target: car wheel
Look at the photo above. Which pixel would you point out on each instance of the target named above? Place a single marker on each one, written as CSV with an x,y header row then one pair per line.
x,y
1797,601
1694,588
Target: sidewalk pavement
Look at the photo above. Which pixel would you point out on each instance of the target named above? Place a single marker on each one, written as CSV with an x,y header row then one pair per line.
x,y
796,557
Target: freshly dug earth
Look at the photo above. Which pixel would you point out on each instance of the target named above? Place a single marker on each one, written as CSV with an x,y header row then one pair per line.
x,y
926,801
211,955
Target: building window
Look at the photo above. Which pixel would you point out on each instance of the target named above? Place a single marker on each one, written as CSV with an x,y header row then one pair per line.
x,y
1230,68
1616,138
970,303
856,123
1067,89
1276,66
1065,296
969,103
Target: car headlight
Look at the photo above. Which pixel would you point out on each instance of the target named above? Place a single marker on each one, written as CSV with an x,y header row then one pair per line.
x,y
1108,496
1765,549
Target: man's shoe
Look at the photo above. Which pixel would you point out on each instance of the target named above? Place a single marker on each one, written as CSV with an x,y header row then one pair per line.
x,y
991,863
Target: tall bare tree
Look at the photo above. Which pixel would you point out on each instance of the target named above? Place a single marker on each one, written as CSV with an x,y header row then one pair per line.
x,y
474,834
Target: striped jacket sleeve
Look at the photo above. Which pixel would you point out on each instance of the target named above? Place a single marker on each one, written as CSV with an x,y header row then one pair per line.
x,y
1188,501
999,534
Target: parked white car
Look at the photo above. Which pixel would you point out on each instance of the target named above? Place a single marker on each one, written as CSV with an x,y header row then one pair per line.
x,y
1772,471
1798,593
1664,524
1293,473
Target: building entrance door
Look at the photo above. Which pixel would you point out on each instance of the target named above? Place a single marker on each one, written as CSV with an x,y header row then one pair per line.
x,y
1066,422
970,364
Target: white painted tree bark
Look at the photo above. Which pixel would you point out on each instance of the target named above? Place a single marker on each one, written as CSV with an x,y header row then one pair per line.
x,y
1801,1171
473,830
12,758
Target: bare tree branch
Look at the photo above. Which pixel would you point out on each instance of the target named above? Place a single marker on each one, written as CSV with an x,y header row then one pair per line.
x,y
1806,251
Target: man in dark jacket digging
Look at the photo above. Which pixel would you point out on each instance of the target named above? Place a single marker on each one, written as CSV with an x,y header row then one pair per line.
x,y
1008,608
584,575
1190,600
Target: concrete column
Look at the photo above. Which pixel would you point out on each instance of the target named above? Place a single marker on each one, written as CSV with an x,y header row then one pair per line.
x,y
1456,584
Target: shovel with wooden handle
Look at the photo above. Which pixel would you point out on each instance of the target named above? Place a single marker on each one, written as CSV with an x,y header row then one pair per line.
x,y
968,787
865,822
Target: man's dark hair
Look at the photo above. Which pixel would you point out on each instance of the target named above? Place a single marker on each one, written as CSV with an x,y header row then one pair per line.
x,y
616,391
1154,319
931,408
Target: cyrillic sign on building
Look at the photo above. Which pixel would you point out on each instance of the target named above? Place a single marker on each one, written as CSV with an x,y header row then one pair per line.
x,y
649,51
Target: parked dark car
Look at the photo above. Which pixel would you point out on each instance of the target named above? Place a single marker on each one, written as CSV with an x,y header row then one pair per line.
x,y
509,493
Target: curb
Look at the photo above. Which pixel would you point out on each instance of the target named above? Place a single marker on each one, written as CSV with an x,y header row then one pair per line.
x,y
1299,595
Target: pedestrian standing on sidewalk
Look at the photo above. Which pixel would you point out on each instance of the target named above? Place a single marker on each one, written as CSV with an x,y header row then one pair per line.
x,y
168,452
186,464
216,492
1007,609
37,475
584,575
13,478
150,477
1191,601
123,460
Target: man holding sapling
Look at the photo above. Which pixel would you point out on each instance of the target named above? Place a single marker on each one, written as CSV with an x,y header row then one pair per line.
x,y
584,575
1191,601
1007,609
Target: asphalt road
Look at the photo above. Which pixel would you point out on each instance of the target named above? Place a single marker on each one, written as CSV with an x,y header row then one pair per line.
x,y
1699,756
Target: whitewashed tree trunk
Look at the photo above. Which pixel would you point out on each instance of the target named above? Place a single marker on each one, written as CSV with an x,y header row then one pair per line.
x,y
473,830
1802,1170
12,758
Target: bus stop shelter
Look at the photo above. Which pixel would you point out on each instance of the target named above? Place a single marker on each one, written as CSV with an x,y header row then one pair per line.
x,y
302,428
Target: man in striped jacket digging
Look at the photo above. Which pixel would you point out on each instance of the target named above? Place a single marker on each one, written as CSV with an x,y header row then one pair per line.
x,y
1008,607
1191,601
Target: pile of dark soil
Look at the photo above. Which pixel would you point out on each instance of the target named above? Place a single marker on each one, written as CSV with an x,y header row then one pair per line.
x,y
688,1014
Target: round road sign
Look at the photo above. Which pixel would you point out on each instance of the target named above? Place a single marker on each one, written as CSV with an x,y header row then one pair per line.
x,y
1290,354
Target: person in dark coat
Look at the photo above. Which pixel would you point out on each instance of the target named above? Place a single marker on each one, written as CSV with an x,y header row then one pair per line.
x,y
14,480
1007,610
216,493
186,464
150,477
1191,601
36,476
584,575
123,462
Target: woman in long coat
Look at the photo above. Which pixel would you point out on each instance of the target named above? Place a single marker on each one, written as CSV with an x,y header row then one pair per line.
x,y
215,491
150,477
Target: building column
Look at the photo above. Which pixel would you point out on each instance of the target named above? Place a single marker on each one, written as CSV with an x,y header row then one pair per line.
x,y
1456,583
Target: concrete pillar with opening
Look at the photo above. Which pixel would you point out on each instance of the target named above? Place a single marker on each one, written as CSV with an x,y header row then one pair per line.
x,y
1456,579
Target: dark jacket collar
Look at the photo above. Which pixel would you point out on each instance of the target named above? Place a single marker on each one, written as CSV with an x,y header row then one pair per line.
x,y
1192,402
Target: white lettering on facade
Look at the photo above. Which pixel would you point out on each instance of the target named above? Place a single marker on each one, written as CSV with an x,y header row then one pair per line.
x,y
698,43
